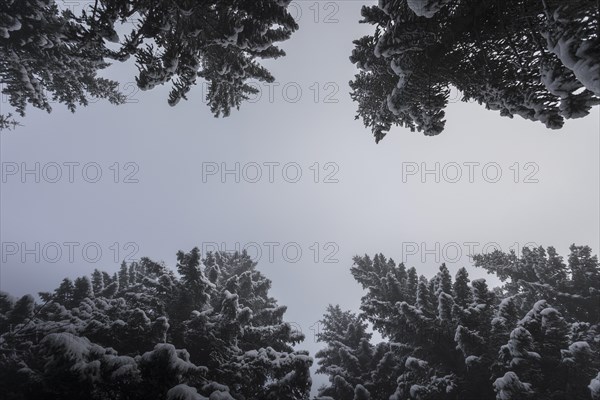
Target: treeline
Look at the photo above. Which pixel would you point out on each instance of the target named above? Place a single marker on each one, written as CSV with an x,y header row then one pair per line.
x,y
211,331
536,337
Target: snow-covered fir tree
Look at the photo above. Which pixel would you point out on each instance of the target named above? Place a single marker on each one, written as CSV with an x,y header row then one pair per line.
x,y
539,60
47,54
356,368
218,41
536,337
209,332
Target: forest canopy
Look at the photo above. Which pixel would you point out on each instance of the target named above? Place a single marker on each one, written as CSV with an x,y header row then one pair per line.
x,y
539,60
210,330
537,337
50,54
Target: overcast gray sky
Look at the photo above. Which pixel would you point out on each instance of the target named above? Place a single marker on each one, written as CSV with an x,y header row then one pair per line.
x,y
353,197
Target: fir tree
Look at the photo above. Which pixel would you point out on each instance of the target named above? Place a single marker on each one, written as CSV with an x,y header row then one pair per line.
x,y
97,282
356,369
537,60
536,337
462,291
48,55
52,55
121,343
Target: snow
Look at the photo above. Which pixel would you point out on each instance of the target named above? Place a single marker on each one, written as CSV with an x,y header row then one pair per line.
x,y
230,296
509,387
84,358
126,370
530,317
554,80
505,303
578,57
415,363
117,324
184,392
549,314
520,338
426,8
71,346
8,297
392,100
171,66
214,386
587,70
579,348
472,361
595,387
418,392
11,24
220,396
166,351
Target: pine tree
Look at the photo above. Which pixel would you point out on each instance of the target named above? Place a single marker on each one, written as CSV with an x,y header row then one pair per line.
x,y
219,42
64,293
52,55
97,282
537,60
356,369
411,284
22,311
121,343
581,363
445,280
510,387
423,296
535,337
555,338
47,55
595,387
572,289
123,276
585,275
82,289
7,302
462,292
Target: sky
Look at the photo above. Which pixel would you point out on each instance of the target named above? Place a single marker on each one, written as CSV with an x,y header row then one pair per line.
x,y
292,177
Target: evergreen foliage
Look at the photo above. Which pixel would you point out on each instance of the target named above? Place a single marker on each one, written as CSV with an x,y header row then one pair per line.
x,y
536,59
150,334
536,337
